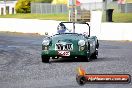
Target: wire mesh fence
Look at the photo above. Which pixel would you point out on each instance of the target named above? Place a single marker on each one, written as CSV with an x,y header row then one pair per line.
x,y
119,8
126,8
92,6
47,8
114,5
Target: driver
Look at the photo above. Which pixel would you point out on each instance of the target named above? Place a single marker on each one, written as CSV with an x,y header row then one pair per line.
x,y
62,28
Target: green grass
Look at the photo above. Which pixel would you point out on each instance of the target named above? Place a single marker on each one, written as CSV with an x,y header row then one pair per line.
x,y
120,17
60,17
117,17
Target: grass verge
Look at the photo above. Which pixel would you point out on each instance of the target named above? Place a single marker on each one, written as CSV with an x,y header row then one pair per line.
x,y
60,17
120,17
117,17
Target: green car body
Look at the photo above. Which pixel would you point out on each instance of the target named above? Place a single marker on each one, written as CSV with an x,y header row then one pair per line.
x,y
69,45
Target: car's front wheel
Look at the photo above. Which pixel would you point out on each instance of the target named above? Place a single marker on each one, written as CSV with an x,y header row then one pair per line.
x,y
87,58
45,59
95,54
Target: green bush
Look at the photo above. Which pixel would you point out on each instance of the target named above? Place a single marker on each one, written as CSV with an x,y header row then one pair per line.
x,y
23,6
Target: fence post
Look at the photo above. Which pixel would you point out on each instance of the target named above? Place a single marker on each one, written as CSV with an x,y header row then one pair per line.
x,y
51,9
126,8
40,8
69,15
55,8
35,8
31,7
61,8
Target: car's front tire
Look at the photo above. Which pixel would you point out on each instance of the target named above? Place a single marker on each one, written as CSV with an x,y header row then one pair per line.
x,y
45,59
87,58
95,54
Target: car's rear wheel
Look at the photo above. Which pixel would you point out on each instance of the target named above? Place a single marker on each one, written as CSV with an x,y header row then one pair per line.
x,y
45,59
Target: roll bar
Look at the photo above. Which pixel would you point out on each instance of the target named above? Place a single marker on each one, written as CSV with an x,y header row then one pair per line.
x,y
79,23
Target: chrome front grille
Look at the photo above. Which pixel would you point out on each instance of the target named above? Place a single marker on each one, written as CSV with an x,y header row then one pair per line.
x,y
67,46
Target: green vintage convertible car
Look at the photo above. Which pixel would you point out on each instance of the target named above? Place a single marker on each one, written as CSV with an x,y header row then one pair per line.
x,y
70,44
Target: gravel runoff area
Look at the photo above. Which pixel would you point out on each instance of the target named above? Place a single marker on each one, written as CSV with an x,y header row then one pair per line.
x,y
21,66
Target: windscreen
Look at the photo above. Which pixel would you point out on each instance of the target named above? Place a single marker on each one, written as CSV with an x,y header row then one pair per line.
x,y
79,28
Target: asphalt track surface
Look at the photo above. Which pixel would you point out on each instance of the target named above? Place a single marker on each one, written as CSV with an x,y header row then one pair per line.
x,y
21,66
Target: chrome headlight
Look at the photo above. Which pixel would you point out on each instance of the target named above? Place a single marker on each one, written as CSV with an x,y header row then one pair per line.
x,y
81,42
46,42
